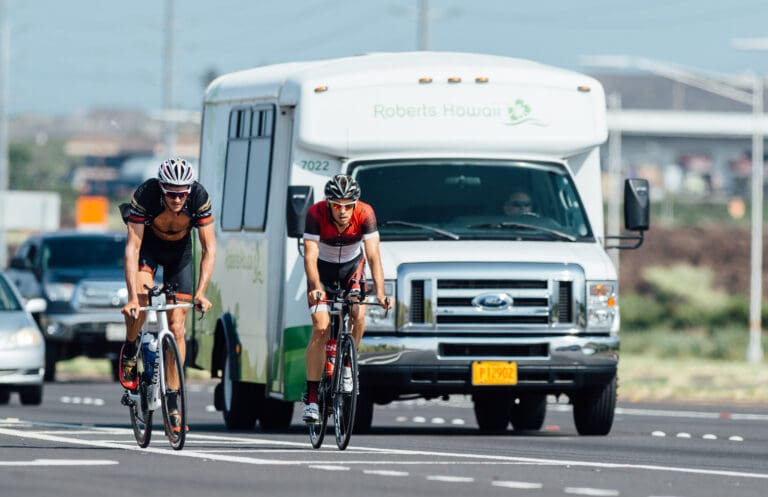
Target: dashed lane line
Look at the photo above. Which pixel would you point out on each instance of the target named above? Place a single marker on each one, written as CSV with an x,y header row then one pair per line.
x,y
60,462
431,455
521,485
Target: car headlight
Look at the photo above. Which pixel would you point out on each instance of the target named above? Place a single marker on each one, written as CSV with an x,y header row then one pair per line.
x,y
377,318
602,306
59,292
25,337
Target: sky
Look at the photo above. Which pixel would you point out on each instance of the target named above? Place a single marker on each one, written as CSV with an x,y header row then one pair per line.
x,y
73,56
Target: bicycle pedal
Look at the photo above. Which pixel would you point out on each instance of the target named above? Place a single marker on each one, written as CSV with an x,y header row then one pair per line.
x,y
126,400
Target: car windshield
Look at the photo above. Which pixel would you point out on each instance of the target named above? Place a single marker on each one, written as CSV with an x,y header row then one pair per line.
x,y
8,301
460,199
84,252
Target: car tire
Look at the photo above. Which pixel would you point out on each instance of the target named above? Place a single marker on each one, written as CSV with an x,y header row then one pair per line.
x,y
593,409
275,415
5,396
51,355
492,411
31,396
529,412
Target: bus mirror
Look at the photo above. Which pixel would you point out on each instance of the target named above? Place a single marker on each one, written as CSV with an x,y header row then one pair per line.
x,y
636,204
300,198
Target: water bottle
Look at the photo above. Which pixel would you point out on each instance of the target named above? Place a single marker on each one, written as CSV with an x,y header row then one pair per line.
x,y
149,353
330,354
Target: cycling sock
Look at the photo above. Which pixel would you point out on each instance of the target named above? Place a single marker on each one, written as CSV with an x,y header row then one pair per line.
x,y
172,402
312,391
131,347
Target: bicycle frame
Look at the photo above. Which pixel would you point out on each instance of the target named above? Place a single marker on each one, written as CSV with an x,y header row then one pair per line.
x,y
153,392
156,312
331,396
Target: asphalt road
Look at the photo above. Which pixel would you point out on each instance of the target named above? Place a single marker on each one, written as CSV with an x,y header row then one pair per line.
x,y
79,443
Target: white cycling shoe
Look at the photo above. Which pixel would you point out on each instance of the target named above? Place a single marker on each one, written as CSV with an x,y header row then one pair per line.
x,y
311,413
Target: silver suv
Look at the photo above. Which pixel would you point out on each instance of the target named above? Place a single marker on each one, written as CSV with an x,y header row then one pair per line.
x,y
81,277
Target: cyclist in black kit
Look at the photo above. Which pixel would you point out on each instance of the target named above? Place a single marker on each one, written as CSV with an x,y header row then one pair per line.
x,y
160,218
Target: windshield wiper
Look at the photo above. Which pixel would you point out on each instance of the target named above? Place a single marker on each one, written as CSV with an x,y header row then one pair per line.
x,y
447,234
507,225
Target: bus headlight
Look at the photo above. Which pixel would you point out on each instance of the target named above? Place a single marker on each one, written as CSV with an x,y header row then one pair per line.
x,y
602,306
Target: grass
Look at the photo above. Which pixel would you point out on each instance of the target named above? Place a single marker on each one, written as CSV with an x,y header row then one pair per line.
x,y
691,379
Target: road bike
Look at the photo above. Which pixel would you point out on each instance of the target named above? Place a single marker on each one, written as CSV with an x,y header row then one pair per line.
x,y
158,355
332,397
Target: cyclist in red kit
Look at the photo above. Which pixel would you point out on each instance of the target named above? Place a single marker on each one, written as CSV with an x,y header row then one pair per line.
x,y
337,230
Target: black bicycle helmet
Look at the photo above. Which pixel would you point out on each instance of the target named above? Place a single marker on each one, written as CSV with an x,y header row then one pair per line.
x,y
342,186
177,172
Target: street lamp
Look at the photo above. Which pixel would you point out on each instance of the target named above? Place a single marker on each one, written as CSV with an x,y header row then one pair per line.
x,y
731,88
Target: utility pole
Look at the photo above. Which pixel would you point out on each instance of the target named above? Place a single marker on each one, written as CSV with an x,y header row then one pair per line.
x,y
755,347
423,25
168,72
5,39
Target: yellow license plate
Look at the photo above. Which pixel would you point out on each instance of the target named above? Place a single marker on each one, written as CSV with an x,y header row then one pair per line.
x,y
494,373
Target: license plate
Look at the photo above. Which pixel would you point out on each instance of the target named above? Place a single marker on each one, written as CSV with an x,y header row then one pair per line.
x,y
115,332
494,373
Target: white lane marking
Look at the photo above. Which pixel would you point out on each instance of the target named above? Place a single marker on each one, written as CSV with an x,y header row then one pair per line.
x,y
477,458
590,491
329,467
736,438
451,479
438,421
210,408
517,484
458,422
658,433
401,419
82,400
60,462
419,419
668,413
385,472
709,436
683,434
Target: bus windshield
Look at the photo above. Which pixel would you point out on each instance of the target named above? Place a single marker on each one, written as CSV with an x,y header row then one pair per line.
x,y
473,199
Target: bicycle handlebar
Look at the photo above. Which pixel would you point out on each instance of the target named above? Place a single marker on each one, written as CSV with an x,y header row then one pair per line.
x,y
347,300
167,307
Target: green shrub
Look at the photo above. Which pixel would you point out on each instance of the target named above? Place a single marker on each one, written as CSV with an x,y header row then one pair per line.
x,y
681,314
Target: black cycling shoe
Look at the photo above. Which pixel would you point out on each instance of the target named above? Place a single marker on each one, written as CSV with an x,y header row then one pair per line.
x,y
129,378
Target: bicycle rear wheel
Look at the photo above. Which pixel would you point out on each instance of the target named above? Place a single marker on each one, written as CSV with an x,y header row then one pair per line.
x,y
345,400
141,416
317,430
175,430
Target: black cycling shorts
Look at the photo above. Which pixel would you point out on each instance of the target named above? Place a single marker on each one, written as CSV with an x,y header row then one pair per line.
x,y
347,275
175,258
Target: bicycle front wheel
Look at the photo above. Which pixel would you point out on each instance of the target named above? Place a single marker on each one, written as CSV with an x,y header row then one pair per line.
x,y
317,430
346,388
174,401
141,416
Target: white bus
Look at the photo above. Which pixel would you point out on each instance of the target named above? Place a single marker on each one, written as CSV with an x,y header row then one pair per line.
x,y
501,306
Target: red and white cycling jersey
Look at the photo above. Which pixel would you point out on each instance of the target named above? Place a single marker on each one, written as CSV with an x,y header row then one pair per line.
x,y
335,246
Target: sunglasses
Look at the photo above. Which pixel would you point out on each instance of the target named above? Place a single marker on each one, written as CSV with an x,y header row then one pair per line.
x,y
342,206
175,194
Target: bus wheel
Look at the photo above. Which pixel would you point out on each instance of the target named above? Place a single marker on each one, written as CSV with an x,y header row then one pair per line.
x,y
237,401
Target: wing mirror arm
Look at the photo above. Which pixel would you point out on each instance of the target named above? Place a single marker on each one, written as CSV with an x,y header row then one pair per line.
x,y
636,213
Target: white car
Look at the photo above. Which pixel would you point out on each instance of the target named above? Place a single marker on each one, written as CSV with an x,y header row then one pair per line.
x,y
22,348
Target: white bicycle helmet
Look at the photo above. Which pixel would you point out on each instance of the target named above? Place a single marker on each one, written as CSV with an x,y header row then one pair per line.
x,y
177,172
